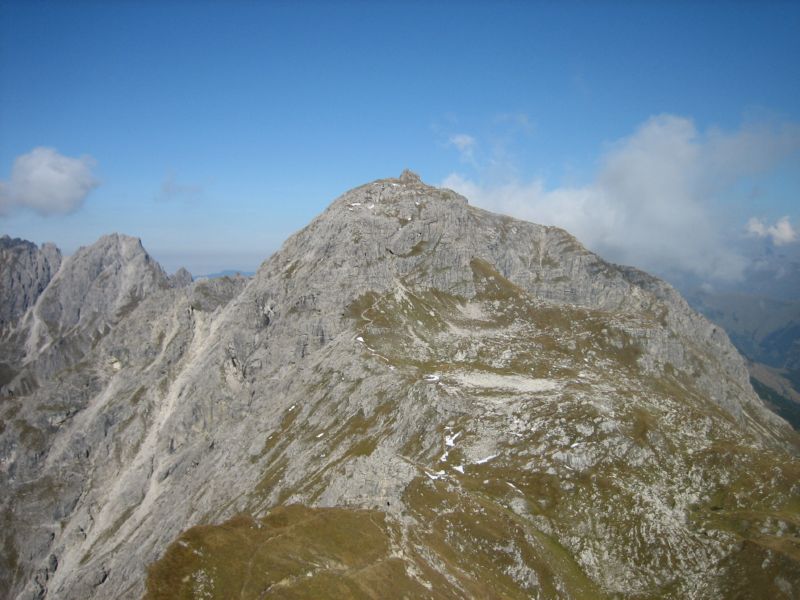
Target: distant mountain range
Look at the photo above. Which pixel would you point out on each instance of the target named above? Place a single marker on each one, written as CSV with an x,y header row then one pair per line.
x,y
765,328
226,273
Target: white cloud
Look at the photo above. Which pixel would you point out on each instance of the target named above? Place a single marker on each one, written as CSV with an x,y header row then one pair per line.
x,y
781,233
756,228
465,144
47,182
652,201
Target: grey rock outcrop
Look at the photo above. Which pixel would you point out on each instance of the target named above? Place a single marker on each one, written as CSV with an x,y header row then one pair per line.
x,y
94,288
25,270
181,278
409,353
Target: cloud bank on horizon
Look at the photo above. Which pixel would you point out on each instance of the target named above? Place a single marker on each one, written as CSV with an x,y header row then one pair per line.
x,y
657,198
781,233
47,182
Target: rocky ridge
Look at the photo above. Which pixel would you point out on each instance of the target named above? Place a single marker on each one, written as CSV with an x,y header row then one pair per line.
x,y
499,411
26,271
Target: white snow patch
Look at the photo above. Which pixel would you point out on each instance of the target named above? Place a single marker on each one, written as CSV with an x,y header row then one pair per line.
x,y
431,378
360,339
450,440
485,460
436,475
319,435
459,468
514,383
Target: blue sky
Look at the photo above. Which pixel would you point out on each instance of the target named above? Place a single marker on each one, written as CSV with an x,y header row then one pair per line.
x,y
214,130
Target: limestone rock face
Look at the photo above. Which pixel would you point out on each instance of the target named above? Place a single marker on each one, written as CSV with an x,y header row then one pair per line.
x,y
181,278
94,288
96,285
25,270
526,419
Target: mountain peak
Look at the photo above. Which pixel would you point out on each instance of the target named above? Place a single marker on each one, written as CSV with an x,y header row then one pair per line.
x,y
181,278
409,176
484,390
93,288
126,247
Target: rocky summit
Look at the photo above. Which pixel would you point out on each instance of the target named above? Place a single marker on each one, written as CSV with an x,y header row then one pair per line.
x,y
412,398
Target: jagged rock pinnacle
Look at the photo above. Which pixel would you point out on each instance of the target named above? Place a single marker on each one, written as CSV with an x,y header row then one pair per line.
x,y
181,278
26,271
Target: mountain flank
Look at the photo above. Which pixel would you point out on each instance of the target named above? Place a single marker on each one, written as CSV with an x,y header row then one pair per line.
x,y
413,397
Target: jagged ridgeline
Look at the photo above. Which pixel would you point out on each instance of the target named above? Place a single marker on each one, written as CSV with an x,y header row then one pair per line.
x,y
412,398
